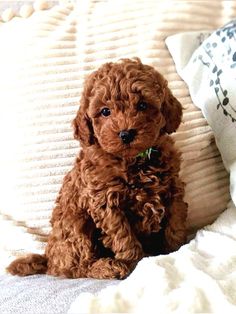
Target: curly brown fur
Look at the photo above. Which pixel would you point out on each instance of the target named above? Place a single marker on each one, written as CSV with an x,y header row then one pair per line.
x,y
114,207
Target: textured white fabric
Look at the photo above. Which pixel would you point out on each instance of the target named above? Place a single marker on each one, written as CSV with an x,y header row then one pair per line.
x,y
43,294
210,72
43,62
199,278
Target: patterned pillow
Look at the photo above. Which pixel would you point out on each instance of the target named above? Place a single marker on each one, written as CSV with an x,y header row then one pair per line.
x,y
43,62
211,76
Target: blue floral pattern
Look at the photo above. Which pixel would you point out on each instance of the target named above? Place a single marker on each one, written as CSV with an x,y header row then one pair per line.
x,y
219,55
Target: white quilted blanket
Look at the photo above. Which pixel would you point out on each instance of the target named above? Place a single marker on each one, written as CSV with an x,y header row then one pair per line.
x,y
200,277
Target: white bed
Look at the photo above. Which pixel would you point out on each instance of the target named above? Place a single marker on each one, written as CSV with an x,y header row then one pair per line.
x,y
44,59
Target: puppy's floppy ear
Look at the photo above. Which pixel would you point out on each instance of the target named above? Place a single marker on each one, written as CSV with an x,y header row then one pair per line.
x,y
172,112
83,129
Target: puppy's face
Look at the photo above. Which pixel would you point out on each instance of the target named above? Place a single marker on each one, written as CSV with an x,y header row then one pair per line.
x,y
123,108
128,119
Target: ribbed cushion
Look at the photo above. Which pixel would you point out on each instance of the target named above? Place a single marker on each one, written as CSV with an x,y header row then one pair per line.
x,y
43,62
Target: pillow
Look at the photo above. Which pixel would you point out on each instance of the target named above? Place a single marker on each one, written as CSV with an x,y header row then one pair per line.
x,y
43,61
211,77
22,8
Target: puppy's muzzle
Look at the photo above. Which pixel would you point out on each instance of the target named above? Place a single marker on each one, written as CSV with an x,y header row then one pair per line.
x,y
127,136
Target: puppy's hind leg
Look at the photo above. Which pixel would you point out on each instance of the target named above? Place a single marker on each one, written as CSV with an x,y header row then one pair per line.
x,y
29,265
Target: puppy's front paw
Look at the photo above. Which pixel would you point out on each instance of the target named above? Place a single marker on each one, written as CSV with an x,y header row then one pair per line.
x,y
132,254
108,268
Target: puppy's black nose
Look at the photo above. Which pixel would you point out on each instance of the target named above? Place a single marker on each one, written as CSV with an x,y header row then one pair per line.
x,y
127,136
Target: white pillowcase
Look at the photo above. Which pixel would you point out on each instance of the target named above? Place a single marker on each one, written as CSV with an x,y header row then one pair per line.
x,y
210,72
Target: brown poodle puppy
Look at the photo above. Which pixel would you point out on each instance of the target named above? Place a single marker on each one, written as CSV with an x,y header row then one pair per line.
x,y
123,199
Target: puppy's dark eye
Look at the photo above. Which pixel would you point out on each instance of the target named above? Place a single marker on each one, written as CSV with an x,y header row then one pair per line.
x,y
142,106
105,112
